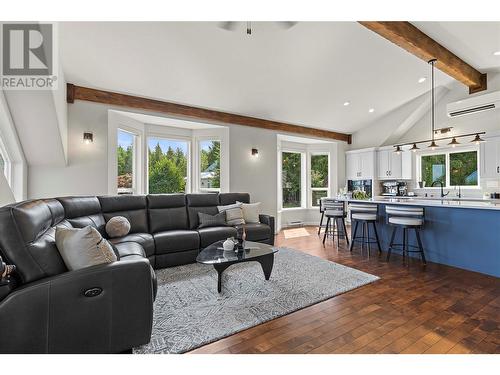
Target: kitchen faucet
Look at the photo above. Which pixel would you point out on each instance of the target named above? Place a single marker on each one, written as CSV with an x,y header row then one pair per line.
x,y
442,186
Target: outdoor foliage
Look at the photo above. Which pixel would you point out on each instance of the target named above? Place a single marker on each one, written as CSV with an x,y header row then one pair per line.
x,y
125,156
319,171
167,170
433,169
463,168
210,163
291,170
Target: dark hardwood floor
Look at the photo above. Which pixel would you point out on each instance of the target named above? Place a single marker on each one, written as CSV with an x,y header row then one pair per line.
x,y
415,309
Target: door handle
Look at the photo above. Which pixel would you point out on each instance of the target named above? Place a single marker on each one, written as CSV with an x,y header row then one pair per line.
x,y
498,169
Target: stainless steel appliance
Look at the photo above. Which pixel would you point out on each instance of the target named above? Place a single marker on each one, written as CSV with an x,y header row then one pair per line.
x,y
362,185
394,188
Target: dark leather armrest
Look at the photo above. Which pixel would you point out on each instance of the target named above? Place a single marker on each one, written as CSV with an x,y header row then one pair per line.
x,y
54,315
269,220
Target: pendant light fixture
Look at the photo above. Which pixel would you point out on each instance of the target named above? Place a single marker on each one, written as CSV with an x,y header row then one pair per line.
x,y
453,142
433,144
477,139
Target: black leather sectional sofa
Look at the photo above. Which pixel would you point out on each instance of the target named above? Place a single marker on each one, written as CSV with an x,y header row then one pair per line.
x,y
106,308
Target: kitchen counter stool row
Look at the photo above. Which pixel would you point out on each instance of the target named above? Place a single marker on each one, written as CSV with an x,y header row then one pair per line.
x,y
364,218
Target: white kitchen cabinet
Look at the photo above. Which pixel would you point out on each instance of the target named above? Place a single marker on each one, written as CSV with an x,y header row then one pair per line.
x,y
360,164
393,166
490,158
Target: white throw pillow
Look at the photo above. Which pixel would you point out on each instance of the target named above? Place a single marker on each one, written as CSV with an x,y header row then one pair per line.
x,y
234,214
83,247
117,226
251,212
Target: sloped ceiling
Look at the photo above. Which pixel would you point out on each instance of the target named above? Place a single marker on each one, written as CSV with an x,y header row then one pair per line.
x,y
301,75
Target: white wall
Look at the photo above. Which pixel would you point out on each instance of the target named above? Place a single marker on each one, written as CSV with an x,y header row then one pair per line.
x,y
86,172
254,175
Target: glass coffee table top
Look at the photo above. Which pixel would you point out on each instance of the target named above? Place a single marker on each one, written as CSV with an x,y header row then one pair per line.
x,y
215,254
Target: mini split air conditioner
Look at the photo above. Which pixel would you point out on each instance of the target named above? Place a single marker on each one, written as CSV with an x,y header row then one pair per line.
x,y
474,105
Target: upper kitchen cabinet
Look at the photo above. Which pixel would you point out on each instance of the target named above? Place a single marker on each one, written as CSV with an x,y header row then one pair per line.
x,y
360,164
490,158
393,166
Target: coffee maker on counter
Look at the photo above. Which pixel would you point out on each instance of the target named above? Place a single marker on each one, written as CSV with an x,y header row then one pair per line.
x,y
394,188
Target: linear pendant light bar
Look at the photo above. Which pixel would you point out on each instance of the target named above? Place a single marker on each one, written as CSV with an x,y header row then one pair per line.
x,y
477,139
441,139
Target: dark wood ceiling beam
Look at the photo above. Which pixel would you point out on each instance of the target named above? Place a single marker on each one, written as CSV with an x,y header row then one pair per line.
x,y
410,38
74,92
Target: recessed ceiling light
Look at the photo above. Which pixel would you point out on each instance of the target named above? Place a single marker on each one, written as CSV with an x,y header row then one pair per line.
x,y
371,110
421,79
346,103
497,53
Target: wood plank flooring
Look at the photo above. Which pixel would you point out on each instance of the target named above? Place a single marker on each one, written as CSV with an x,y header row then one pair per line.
x,y
415,309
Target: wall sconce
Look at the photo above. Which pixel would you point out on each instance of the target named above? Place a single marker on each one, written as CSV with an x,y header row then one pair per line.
x,y
88,138
255,152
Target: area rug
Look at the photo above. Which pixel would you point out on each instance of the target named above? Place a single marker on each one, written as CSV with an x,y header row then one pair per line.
x,y
294,233
188,311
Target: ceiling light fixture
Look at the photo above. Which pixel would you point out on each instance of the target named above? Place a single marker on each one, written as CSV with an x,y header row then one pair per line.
x,y
422,79
477,139
371,110
443,130
346,104
453,142
433,145
496,53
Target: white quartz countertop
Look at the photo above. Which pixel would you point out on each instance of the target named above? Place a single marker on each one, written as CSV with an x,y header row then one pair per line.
x,y
486,204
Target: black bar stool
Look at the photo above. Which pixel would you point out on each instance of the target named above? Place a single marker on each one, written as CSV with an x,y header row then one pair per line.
x,y
335,214
406,218
365,214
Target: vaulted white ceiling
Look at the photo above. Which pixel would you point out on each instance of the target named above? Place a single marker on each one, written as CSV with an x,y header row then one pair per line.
x,y
301,75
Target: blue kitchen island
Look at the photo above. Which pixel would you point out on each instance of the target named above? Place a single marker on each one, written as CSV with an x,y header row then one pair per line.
x,y
458,233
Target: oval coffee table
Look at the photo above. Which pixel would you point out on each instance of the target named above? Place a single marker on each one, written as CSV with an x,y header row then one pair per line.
x,y
215,255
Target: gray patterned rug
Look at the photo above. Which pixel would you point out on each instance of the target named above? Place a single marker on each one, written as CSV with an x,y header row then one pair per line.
x,y
189,312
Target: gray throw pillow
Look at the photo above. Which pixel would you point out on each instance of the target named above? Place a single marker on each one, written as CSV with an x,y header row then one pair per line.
x,y
83,247
117,226
206,220
251,212
234,213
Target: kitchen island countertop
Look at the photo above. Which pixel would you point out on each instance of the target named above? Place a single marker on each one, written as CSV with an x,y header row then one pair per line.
x,y
487,204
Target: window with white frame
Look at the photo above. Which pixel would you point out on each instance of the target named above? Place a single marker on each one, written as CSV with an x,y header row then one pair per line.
x,y
450,167
168,165
292,179
319,177
126,156
209,165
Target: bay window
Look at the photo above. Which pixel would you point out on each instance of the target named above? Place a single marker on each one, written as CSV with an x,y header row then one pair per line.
x,y
209,165
168,165
319,178
291,179
126,155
